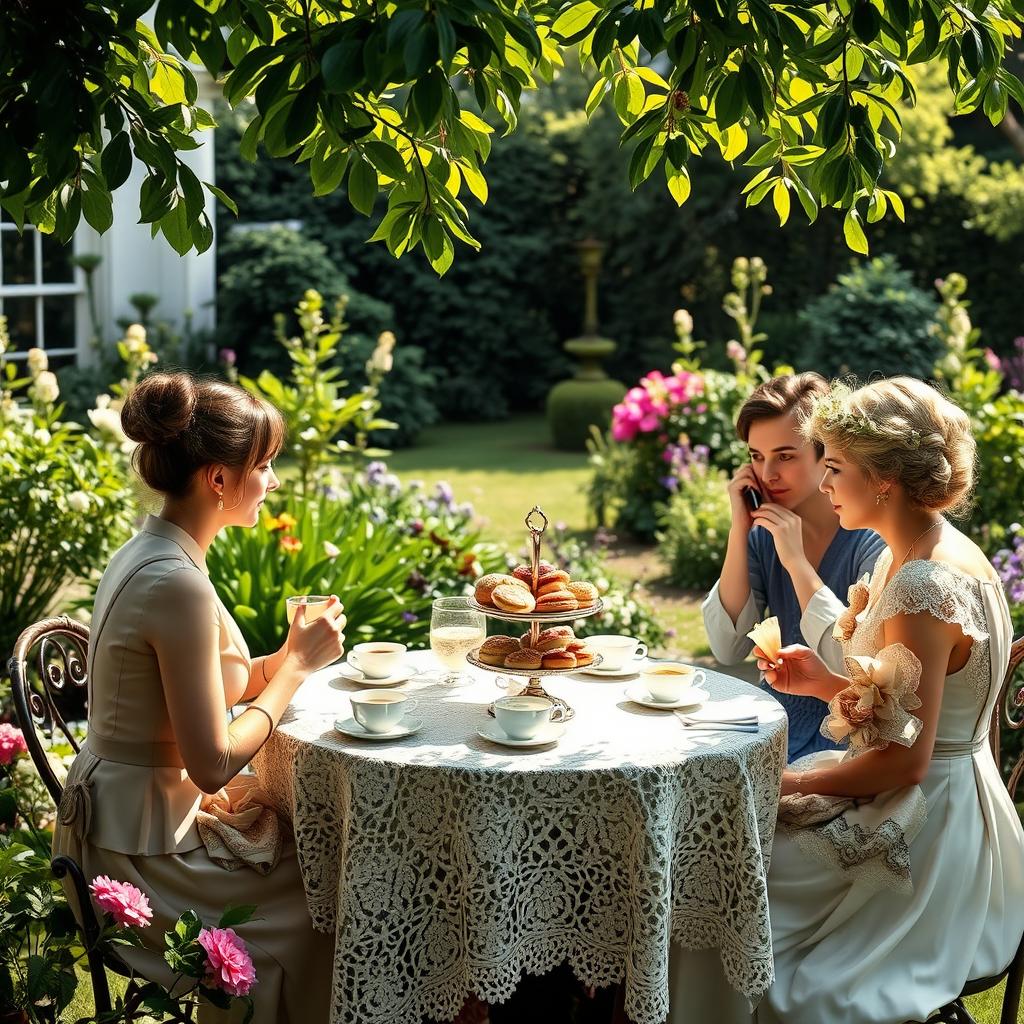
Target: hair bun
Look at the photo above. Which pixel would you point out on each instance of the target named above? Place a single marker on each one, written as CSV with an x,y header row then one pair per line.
x,y
160,409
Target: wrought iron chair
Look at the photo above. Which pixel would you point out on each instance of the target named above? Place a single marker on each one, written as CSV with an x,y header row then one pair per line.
x,y
1009,708
49,685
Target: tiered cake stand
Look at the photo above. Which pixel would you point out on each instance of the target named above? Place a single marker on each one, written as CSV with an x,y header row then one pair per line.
x,y
534,688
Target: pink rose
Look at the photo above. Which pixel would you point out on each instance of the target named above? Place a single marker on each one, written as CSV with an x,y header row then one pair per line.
x,y
12,743
228,964
122,900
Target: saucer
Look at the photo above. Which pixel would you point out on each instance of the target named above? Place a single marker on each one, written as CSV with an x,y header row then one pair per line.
x,y
549,733
638,695
354,675
631,669
350,727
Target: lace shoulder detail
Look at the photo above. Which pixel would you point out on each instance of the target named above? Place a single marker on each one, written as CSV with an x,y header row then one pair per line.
x,y
942,591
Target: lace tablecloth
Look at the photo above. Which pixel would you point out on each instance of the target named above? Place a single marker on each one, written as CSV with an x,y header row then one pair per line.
x,y
448,865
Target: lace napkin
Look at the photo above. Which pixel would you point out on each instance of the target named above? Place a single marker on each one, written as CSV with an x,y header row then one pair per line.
x,y
243,833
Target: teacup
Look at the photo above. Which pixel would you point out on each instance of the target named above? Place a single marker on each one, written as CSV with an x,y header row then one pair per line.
x,y
377,659
669,680
380,711
316,605
616,651
523,717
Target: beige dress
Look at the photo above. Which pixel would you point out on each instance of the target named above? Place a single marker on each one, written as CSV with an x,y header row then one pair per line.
x,y
129,807
881,915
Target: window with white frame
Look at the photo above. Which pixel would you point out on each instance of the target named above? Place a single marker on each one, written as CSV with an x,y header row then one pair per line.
x,y
39,291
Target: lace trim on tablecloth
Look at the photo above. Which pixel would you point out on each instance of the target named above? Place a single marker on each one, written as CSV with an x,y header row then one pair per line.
x,y
456,882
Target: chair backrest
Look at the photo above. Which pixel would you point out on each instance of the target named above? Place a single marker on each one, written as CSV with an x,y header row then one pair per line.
x,y
50,688
1009,710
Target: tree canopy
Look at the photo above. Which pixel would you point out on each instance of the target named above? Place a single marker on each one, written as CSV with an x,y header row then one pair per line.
x,y
402,98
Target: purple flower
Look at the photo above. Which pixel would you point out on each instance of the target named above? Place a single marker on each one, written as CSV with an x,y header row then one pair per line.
x,y
670,633
378,515
228,356
375,473
417,581
444,493
466,509
670,483
409,617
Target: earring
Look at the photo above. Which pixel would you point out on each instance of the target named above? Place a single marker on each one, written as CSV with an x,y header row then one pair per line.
x,y
220,504
882,498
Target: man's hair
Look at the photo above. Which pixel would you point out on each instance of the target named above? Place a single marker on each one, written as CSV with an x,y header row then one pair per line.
x,y
779,396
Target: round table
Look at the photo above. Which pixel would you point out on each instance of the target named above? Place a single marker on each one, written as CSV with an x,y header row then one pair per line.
x,y
447,865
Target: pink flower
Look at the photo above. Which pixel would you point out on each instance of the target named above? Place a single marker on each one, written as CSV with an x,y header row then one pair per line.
x,y
992,360
228,964
126,904
12,743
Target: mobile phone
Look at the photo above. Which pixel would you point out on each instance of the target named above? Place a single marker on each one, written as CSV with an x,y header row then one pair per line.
x,y
752,498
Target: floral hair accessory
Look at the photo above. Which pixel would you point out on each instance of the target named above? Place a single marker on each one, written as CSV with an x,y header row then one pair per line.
x,y
874,710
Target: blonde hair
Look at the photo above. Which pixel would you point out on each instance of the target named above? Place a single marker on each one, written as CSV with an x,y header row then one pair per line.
x,y
904,430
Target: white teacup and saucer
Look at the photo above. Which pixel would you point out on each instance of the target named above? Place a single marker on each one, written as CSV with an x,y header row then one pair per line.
x,y
380,715
377,663
620,655
523,721
668,685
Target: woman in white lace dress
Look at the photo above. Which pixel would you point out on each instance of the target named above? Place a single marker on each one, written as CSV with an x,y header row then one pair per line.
x,y
898,867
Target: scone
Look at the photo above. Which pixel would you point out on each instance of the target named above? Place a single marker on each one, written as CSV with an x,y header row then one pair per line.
x,y
585,593
495,649
486,584
513,597
559,659
557,601
526,658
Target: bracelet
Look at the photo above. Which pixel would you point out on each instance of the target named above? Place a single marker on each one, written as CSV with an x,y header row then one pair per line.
x,y
264,711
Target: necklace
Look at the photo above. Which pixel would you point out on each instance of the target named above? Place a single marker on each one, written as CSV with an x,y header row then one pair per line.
x,y
918,537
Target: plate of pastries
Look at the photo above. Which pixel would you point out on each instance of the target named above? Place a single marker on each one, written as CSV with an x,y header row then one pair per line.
x,y
555,596
555,650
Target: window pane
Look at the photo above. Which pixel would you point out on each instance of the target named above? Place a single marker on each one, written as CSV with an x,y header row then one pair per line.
x,y
17,257
57,268
21,322
59,321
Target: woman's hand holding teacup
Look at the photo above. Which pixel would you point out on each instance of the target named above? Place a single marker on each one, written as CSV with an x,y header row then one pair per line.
x,y
798,670
319,643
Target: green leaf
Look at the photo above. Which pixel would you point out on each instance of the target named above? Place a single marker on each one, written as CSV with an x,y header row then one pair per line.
x,y
342,66
175,228
575,22
326,169
853,232
730,101
427,97
223,197
678,184
867,21
780,199
386,159
97,206
116,161
236,915
362,186
250,139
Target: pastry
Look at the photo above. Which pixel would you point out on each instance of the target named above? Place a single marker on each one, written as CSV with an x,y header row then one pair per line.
x,y
768,637
512,597
551,641
583,658
551,586
585,593
486,584
565,631
577,645
528,658
523,573
557,601
559,659
495,649
552,576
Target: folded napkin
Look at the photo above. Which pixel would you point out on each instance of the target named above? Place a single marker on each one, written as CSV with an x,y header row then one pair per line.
x,y
725,715
240,828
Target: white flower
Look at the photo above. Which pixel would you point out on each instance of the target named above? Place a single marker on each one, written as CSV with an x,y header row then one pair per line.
x,y
331,550
37,361
103,401
683,321
135,333
309,434
78,501
135,344
45,388
43,436
108,422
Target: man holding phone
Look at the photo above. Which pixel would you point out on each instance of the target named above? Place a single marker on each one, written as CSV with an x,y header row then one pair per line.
x,y
800,564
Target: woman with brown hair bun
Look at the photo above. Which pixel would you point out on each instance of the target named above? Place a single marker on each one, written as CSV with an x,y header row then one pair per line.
x,y
166,661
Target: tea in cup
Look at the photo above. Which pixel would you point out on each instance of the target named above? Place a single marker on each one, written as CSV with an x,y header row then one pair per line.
x,y
523,717
377,659
315,604
616,651
380,711
668,681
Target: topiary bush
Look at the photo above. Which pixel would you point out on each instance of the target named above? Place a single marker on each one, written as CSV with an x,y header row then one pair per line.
x,y
574,406
874,320
695,527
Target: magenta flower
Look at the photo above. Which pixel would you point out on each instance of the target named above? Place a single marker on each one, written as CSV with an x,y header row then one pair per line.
x,y
12,743
127,905
228,964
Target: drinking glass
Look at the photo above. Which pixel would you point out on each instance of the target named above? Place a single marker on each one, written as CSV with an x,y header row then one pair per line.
x,y
455,629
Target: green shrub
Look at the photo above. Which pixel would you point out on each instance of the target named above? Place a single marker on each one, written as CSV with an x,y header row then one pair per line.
x,y
695,528
386,550
874,320
264,271
574,406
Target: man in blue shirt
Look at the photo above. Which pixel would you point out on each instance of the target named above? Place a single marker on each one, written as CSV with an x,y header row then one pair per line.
x,y
800,564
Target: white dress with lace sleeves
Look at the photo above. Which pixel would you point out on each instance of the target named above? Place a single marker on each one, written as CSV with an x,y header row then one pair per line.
x,y
882,909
